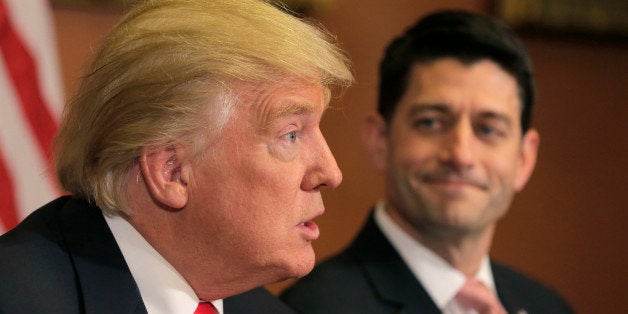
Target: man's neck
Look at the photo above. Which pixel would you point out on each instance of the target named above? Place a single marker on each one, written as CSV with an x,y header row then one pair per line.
x,y
463,250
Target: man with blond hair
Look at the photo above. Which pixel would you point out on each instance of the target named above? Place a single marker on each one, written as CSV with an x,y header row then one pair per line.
x,y
194,159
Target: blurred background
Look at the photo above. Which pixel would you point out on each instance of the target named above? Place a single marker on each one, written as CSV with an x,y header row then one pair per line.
x,y
568,227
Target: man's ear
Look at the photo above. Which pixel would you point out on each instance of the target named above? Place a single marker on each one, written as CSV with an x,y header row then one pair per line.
x,y
374,136
527,159
166,175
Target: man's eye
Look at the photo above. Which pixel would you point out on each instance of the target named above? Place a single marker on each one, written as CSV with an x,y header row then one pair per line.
x,y
485,130
488,131
426,123
291,136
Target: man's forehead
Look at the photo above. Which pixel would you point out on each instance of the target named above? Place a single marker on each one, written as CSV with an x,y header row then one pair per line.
x,y
268,102
446,79
285,88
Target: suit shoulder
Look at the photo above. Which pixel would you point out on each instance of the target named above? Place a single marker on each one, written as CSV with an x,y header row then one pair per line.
x,y
34,262
327,275
256,301
330,287
530,293
37,236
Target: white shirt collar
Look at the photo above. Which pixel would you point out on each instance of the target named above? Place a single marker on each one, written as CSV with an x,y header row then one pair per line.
x,y
162,288
439,278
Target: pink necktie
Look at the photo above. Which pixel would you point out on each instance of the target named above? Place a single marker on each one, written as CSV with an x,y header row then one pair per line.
x,y
475,295
205,308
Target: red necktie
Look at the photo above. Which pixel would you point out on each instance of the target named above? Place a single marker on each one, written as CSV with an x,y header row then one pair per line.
x,y
475,295
205,308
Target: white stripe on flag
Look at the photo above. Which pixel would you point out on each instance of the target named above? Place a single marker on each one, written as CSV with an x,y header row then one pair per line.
x,y
32,20
26,166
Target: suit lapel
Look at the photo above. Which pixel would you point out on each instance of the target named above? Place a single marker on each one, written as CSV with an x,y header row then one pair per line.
x,y
104,278
389,276
505,292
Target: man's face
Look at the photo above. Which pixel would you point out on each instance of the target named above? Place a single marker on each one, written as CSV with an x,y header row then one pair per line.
x,y
257,188
454,154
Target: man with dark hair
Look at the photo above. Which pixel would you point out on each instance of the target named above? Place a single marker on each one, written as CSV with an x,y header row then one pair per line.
x,y
452,137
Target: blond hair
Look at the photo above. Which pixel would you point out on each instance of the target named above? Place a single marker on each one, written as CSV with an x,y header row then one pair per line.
x,y
163,75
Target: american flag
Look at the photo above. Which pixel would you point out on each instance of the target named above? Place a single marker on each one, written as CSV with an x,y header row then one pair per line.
x,y
31,100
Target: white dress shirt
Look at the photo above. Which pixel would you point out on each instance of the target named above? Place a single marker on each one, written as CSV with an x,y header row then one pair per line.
x,y
163,289
439,278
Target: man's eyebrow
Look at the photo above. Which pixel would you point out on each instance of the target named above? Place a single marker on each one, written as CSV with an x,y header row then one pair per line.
x,y
288,110
294,109
497,116
441,108
425,107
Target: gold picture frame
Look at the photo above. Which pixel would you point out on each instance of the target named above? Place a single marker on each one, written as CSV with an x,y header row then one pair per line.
x,y
606,18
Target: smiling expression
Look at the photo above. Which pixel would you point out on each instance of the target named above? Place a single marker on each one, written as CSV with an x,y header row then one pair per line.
x,y
454,153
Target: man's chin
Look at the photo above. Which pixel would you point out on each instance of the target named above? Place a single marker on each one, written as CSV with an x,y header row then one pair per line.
x,y
299,266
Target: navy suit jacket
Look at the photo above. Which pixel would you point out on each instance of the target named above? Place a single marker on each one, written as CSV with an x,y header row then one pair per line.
x,y
64,259
370,277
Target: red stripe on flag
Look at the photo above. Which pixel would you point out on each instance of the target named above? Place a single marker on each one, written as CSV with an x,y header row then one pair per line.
x,y
23,73
8,213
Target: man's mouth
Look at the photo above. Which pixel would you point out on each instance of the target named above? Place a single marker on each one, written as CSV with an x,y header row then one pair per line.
x,y
309,230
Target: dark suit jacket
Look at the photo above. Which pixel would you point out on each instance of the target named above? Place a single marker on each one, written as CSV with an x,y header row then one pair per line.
x,y
64,259
370,277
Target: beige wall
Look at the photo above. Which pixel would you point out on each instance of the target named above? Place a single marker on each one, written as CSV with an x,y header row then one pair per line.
x,y
567,228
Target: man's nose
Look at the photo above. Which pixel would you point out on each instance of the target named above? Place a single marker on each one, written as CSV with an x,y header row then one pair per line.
x,y
458,149
324,171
